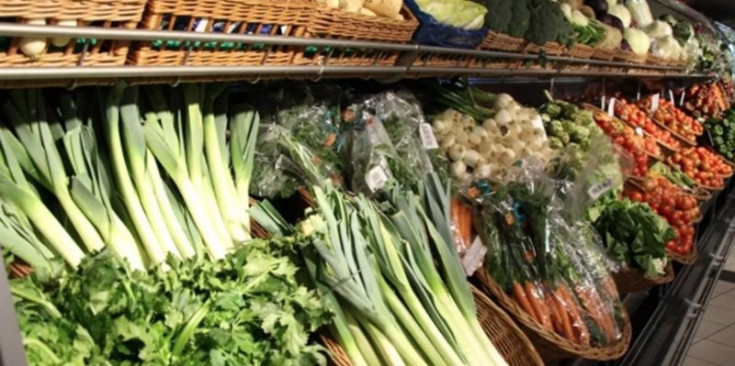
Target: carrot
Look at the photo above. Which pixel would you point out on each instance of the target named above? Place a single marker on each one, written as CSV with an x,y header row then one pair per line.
x,y
539,307
595,308
580,328
556,321
522,299
563,316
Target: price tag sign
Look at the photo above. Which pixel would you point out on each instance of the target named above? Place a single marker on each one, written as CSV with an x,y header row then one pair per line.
x,y
538,124
602,102
639,131
473,257
428,140
655,102
599,189
671,97
681,98
376,178
611,108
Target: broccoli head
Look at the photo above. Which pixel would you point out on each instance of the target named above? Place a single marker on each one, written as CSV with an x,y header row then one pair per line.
x,y
553,109
520,18
718,130
579,134
499,14
569,110
556,128
555,143
564,137
548,24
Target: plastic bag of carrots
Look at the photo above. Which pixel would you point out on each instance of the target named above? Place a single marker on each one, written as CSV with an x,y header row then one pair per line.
x,y
552,267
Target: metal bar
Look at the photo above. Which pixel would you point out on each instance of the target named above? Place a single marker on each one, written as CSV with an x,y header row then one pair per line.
x,y
46,73
49,73
11,344
50,31
526,72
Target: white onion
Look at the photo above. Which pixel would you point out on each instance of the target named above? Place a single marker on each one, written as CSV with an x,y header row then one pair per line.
x,y
475,139
441,125
33,47
448,141
503,100
458,169
456,152
490,125
471,157
63,41
463,138
503,117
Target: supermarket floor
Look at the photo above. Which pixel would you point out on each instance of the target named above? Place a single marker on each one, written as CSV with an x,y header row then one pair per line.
x,y
714,344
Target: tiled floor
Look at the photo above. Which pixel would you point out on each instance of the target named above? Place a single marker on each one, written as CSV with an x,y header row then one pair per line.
x,y
714,344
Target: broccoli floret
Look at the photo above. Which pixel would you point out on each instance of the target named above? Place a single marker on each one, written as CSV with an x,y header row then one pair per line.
x,y
564,137
548,24
584,118
718,140
718,130
569,110
499,14
556,128
555,143
520,18
579,134
552,109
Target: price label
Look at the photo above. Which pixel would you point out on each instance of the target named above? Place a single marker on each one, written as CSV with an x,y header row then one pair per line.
x,y
655,102
376,178
639,131
599,189
602,102
201,25
611,108
538,124
428,140
473,257
681,98
671,97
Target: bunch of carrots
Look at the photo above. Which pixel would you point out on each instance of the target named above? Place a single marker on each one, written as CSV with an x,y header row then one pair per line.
x,y
533,255
462,217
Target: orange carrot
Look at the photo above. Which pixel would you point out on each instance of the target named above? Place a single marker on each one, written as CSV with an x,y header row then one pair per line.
x,y
564,316
534,297
522,299
580,328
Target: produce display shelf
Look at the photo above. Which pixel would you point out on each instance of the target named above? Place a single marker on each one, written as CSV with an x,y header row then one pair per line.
x,y
666,318
408,64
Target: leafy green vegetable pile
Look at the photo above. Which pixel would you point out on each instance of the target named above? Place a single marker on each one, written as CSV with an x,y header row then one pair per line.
x,y
634,234
245,310
723,134
566,124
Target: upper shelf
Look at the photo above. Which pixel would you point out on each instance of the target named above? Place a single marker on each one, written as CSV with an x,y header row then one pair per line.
x,y
409,60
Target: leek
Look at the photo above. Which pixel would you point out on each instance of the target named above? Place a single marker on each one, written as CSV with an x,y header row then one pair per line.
x,y
34,133
123,182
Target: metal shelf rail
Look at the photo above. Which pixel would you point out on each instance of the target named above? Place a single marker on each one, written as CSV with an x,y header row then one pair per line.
x,y
409,64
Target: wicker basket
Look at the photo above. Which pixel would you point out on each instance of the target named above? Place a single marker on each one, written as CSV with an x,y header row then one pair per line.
x,y
550,48
77,52
629,280
687,259
655,60
327,22
607,55
580,51
510,341
502,42
277,17
551,346
631,57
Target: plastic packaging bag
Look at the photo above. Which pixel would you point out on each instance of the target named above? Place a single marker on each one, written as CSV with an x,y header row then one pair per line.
x,y
383,142
551,265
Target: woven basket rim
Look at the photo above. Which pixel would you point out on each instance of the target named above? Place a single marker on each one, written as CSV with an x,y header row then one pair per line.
x,y
561,344
631,280
687,259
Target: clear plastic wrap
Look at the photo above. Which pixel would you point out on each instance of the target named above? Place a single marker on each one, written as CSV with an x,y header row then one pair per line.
x,y
548,263
296,122
383,141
